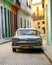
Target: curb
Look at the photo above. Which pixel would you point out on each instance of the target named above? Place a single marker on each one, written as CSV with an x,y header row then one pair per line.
x,y
48,57
6,41
47,53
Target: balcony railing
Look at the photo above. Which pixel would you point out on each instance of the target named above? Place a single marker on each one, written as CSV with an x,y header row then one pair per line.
x,y
38,18
10,2
26,9
17,1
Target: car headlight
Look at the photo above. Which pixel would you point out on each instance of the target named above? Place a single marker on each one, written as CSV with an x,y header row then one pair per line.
x,y
14,39
39,39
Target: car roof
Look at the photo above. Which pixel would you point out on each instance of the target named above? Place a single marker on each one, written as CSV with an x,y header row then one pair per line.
x,y
27,29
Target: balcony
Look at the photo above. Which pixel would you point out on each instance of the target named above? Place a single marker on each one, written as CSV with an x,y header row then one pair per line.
x,y
17,2
38,18
26,9
10,2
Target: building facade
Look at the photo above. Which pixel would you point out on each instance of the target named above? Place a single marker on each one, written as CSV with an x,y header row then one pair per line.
x,y
24,14
39,17
44,3
14,14
2,29
8,12
8,17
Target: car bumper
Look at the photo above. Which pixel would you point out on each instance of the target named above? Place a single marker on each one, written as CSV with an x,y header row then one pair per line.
x,y
26,46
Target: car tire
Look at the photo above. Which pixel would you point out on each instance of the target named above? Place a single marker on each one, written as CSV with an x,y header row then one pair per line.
x,y
14,49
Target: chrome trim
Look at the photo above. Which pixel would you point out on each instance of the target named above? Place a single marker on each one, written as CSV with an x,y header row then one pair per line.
x,y
22,47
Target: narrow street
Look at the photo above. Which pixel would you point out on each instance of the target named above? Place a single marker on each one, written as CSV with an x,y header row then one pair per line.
x,y
7,57
25,24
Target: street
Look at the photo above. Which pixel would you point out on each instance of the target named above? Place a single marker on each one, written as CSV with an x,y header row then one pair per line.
x,y
7,57
25,24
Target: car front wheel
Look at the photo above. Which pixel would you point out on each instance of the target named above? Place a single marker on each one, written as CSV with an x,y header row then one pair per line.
x,y
14,49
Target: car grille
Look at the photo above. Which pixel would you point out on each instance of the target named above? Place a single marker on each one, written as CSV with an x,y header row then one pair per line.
x,y
30,44
28,40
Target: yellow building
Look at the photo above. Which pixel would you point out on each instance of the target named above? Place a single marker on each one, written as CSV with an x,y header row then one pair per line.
x,y
39,17
46,19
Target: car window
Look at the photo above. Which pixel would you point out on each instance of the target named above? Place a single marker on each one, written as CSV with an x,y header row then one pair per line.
x,y
28,32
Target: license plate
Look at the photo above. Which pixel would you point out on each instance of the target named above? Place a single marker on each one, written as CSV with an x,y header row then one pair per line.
x,y
26,47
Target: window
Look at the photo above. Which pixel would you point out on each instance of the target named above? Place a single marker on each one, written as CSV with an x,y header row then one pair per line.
x,y
24,23
27,24
8,29
28,32
10,23
38,23
5,23
37,11
38,26
2,21
43,28
15,21
43,22
42,5
21,22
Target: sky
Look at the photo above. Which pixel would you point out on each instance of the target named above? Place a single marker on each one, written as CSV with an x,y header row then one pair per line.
x,y
36,1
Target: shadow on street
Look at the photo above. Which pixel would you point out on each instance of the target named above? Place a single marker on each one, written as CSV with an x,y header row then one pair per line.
x,y
30,51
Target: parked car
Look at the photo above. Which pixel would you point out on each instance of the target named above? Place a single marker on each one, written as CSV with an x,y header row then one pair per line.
x,y
26,38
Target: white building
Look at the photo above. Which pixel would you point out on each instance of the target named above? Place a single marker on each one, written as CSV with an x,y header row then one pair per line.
x,y
24,14
2,22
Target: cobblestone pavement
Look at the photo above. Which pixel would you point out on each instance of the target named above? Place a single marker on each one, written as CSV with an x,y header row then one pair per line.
x,y
7,57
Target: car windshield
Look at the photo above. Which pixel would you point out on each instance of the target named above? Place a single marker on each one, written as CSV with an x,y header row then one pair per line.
x,y
28,32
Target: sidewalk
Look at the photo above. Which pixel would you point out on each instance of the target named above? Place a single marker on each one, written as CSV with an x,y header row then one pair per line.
x,y
48,52
5,40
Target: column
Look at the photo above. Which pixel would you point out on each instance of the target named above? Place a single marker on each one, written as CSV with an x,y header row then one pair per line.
x,y
49,22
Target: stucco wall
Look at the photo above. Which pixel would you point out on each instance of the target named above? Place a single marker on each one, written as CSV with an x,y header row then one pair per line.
x,y
49,23
23,16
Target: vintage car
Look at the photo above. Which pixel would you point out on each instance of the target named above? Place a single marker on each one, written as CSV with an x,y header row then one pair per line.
x,y
26,38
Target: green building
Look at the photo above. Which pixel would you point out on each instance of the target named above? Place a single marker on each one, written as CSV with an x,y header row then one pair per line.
x,y
6,18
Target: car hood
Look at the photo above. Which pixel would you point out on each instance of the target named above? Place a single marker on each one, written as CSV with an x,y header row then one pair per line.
x,y
26,37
